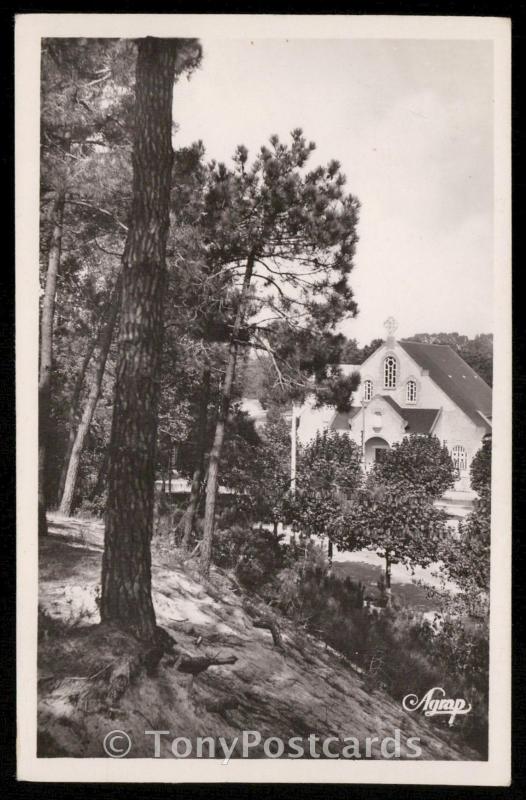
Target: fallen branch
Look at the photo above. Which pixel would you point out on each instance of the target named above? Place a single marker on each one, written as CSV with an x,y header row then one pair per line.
x,y
193,665
218,706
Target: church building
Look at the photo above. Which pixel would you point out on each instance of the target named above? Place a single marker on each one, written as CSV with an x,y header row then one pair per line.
x,y
406,388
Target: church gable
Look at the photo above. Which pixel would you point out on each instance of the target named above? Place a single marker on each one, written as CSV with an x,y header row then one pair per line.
x,y
423,376
392,372
383,409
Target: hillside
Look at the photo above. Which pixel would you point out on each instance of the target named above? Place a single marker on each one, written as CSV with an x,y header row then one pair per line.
x,y
298,689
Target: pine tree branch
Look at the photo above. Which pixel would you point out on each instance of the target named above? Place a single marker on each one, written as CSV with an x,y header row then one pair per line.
x,y
99,210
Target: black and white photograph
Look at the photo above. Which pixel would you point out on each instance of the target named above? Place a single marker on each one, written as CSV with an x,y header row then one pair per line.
x,y
263,300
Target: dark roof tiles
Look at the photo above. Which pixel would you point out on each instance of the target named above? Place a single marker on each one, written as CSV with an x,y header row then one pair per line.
x,y
456,378
419,420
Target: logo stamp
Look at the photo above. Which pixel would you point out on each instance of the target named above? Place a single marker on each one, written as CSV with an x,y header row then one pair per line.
x,y
434,703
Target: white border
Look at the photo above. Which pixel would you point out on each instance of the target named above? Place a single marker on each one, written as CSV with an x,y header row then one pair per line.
x,y
29,29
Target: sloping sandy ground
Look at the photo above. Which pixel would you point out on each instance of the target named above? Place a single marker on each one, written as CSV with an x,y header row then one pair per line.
x,y
303,689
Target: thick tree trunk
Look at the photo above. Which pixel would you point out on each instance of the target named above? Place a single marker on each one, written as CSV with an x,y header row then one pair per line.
x,y
106,336
195,491
126,598
212,483
46,351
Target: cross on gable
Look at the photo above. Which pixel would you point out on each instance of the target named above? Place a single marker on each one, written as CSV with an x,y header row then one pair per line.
x,y
390,326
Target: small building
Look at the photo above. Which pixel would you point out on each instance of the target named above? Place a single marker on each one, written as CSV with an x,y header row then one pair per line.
x,y
410,387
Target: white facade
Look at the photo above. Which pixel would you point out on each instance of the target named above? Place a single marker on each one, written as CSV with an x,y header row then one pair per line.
x,y
410,388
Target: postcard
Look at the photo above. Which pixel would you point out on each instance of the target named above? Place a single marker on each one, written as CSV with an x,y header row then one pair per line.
x,y
263,298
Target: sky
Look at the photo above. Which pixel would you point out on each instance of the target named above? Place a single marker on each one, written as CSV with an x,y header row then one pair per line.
x,y
411,122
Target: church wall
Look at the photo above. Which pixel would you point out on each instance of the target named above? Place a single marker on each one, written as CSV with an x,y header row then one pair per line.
x,y
313,420
428,395
454,427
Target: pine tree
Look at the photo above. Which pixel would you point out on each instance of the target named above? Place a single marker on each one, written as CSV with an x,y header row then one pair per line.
x,y
289,237
75,134
126,569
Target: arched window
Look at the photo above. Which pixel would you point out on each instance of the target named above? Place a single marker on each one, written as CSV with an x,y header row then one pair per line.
x,y
390,373
410,392
460,457
367,390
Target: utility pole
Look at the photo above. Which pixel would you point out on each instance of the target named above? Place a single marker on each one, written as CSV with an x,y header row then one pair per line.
x,y
293,441
363,433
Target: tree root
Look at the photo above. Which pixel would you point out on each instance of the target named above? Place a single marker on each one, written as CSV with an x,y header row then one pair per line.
x,y
193,665
271,625
265,621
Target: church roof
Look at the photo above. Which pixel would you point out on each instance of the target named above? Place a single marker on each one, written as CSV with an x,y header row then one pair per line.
x,y
456,378
342,418
419,420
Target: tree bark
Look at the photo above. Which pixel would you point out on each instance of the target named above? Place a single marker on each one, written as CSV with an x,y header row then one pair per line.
x,y
195,490
219,435
46,351
106,336
126,598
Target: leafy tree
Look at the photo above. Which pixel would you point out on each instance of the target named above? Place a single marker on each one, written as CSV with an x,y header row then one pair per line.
x,y
480,470
417,462
370,348
126,567
330,463
399,522
329,472
271,469
352,353
466,556
289,233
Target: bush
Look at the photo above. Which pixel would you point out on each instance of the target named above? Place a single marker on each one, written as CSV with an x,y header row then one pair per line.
x,y
398,651
91,507
256,555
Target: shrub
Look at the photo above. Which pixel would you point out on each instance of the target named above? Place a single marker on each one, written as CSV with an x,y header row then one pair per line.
x,y
398,651
480,470
92,507
256,555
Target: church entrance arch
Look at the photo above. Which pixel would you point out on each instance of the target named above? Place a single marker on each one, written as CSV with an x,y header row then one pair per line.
x,y
373,450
